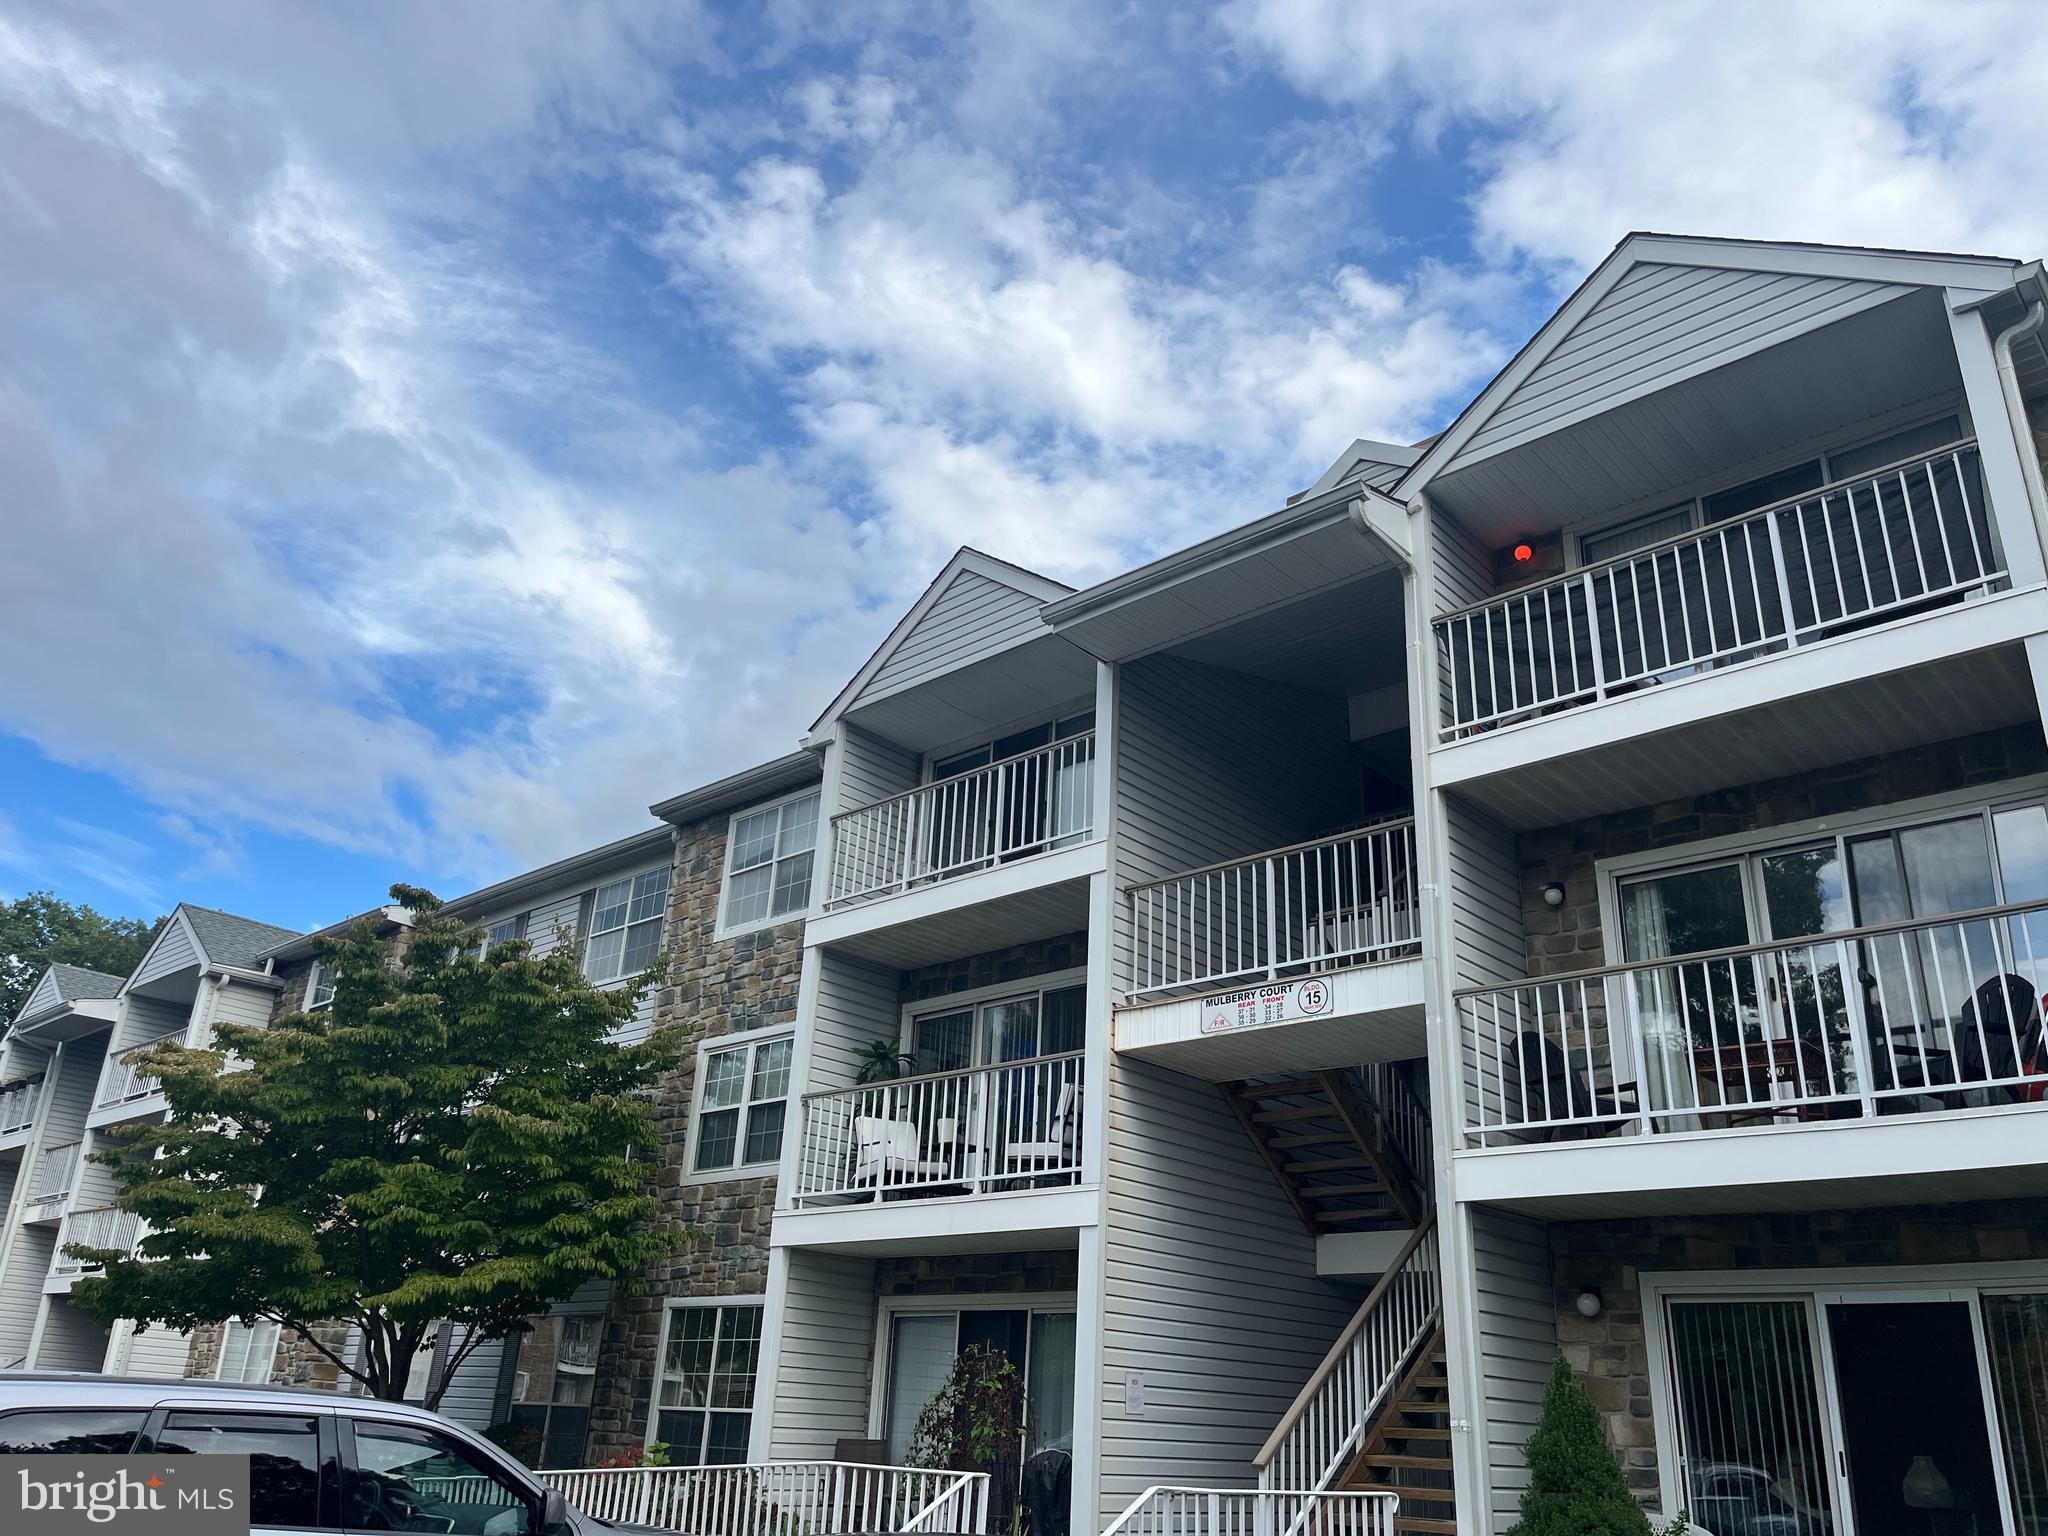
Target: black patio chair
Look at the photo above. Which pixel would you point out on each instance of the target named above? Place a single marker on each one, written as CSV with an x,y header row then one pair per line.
x,y
1553,1088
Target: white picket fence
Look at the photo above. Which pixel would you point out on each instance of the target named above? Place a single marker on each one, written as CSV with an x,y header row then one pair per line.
x,y
1174,1511
781,1498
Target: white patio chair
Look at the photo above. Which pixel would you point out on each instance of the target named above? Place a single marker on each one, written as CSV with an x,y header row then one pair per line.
x,y
1054,1154
887,1152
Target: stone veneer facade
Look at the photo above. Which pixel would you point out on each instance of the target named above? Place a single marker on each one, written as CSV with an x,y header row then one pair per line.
x,y
1569,938
1610,1352
996,968
715,987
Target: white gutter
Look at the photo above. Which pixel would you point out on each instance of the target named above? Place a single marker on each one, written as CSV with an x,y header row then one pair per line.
x,y
2015,406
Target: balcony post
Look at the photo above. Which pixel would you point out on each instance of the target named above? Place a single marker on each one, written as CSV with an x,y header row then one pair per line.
x,y
1272,926
1593,636
1859,1044
1784,587
906,864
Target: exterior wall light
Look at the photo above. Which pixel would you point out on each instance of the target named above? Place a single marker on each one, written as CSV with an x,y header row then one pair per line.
x,y
1589,1301
1553,895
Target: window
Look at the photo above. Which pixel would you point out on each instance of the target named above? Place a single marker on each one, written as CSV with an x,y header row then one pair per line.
x,y
247,1351
1643,530
553,1384
419,1373
741,1104
500,932
923,1343
987,1029
625,925
409,1478
284,1459
768,859
319,986
70,1431
704,1399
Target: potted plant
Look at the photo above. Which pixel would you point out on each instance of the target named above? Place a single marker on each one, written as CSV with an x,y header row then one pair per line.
x,y
882,1062
974,1423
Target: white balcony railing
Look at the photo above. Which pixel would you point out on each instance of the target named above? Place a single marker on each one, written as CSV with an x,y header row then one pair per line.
x,y
121,1083
1877,546
781,1498
56,1170
1014,1126
1325,1426
1338,901
18,1103
1927,1015
1032,803
104,1226
1172,1511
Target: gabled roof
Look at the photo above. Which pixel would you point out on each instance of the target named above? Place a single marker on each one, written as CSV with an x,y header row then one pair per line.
x,y
516,891
1662,308
300,945
970,578
226,939
1379,465
65,985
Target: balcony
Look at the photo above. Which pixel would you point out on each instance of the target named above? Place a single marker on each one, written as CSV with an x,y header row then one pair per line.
x,y
50,1186
102,1227
1310,954
1015,1127
18,1103
1034,803
122,1085
1905,539
1857,1043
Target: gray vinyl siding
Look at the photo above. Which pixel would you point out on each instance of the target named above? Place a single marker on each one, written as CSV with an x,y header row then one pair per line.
x,y
1659,324
872,769
1214,765
554,921
173,951
21,1288
857,1003
45,995
972,619
472,1396
827,1356
1209,1291
237,1002
72,1086
1516,1317
1484,907
159,1351
148,1018
72,1340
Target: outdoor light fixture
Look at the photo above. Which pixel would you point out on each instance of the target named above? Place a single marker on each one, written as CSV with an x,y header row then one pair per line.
x,y
1524,552
1589,1301
1553,895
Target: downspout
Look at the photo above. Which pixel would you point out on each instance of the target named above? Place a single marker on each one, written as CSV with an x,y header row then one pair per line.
x,y
2029,324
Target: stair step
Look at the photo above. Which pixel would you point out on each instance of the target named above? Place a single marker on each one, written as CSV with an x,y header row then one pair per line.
x,y
1416,1431
1301,1166
1404,1459
1423,1523
1281,1088
1373,1213
1305,1112
1333,1191
1316,1139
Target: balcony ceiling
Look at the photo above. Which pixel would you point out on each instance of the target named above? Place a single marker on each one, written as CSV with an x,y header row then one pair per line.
x,y
1027,681
1890,712
1725,423
1341,640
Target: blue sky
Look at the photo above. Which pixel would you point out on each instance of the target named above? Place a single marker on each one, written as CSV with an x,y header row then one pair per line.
x,y
428,434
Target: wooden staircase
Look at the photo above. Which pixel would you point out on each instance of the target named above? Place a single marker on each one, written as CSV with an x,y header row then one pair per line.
x,y
1407,1449
1326,1141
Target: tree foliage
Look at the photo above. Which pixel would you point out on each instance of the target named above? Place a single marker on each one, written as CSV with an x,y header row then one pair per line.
x,y
38,931
1575,1483
447,1140
971,1423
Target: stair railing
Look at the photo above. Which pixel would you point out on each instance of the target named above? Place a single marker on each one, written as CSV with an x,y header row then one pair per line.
x,y
1164,1510
1326,1425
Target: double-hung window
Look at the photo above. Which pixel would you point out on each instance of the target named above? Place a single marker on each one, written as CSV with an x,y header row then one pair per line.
x,y
502,931
768,861
247,1351
742,1104
625,925
319,986
704,1395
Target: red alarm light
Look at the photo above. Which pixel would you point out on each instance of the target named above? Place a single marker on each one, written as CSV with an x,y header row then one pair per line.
x,y
1524,552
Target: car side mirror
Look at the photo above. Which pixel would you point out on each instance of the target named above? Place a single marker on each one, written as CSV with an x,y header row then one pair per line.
x,y
555,1519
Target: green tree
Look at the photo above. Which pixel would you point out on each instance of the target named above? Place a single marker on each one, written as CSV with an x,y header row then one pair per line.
x,y
38,931
448,1140
1575,1483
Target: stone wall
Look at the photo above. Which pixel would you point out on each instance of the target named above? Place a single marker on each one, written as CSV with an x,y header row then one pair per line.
x,y
979,1274
1610,1352
998,967
1568,937
714,987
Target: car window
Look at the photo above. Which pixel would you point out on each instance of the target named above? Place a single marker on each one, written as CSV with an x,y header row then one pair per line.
x,y
70,1431
284,1459
408,1478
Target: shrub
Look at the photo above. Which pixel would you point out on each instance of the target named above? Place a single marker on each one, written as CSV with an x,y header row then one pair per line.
x,y
1575,1483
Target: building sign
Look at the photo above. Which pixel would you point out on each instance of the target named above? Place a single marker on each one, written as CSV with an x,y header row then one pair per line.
x,y
1278,1003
